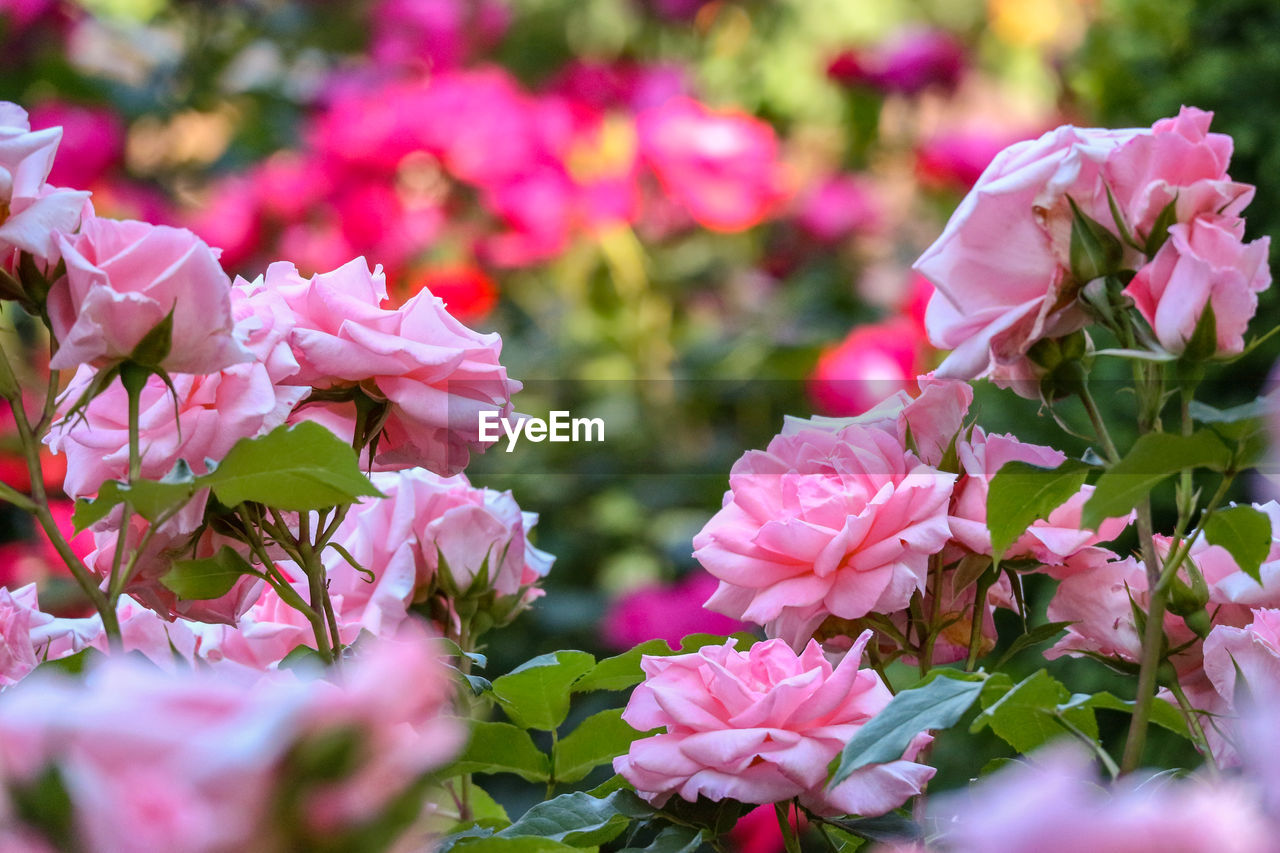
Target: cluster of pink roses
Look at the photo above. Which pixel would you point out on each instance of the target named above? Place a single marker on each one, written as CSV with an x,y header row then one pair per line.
x,y
842,519
210,750
993,304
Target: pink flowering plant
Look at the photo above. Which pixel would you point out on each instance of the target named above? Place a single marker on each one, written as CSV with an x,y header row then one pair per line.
x,y
292,571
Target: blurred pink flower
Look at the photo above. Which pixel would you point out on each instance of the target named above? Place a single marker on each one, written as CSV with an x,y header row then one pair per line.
x,y
908,63
1053,803
836,207
443,34
195,759
92,141
955,161
722,165
760,726
872,363
667,612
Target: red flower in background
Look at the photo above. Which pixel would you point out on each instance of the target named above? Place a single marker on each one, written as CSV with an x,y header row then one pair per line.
x,y
467,292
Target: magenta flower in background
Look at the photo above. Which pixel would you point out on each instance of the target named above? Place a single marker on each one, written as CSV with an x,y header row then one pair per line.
x,y
955,161
909,62
92,141
836,207
871,364
665,612
722,166
441,34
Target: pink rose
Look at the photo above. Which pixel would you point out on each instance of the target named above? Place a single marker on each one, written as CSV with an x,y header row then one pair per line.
x,y
1098,603
444,533
1230,654
1204,262
931,419
1056,541
123,278
722,166
32,213
1055,804
761,726
213,411
838,522
426,525
1000,266
398,696
1179,159
436,374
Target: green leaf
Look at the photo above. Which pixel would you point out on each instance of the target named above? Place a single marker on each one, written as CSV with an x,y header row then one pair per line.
x,y
1253,410
887,828
938,704
1154,457
75,664
207,577
535,694
1027,715
296,468
501,844
156,344
1038,634
1020,494
672,839
1095,251
578,818
1245,533
597,740
502,748
1160,230
151,499
623,671
1163,714
1203,343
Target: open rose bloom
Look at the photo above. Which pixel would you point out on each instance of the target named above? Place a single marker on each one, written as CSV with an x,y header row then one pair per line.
x,y
760,726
